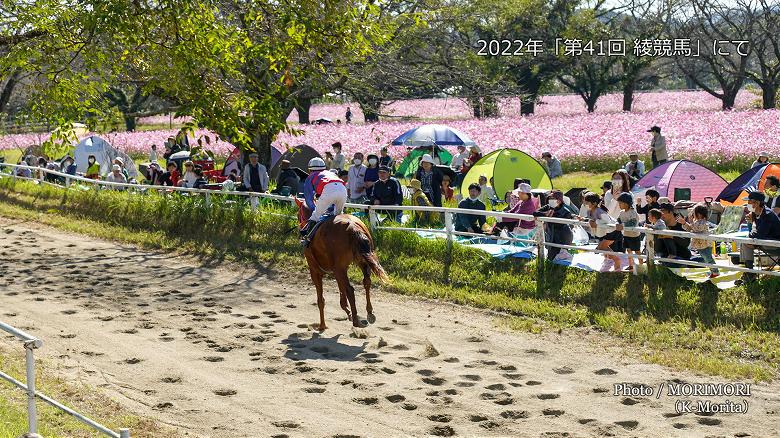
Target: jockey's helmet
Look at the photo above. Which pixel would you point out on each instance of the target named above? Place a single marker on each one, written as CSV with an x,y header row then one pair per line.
x,y
316,163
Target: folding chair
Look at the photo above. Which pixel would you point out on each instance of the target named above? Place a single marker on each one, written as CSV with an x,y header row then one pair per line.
x,y
767,258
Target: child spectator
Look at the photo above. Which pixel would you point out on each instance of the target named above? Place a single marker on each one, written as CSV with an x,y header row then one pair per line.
x,y
328,160
651,198
171,177
599,220
628,217
487,194
446,190
666,243
700,225
419,199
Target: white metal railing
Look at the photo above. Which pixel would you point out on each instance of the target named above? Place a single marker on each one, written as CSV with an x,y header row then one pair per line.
x,y
449,214
32,343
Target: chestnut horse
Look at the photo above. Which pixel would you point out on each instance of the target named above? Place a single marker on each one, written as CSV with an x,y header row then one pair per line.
x,y
339,242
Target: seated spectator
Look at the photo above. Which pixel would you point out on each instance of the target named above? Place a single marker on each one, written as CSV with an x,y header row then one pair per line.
x,y
188,178
171,177
255,175
52,165
700,225
609,239
662,244
419,198
387,191
524,205
763,158
674,222
201,180
22,172
556,233
487,194
93,168
635,167
289,178
475,154
446,188
68,166
121,163
552,165
116,176
766,226
471,223
771,186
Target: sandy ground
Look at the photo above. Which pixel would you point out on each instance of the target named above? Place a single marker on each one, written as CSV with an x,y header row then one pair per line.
x,y
216,349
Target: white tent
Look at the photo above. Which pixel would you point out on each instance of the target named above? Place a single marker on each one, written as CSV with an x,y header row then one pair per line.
x,y
104,154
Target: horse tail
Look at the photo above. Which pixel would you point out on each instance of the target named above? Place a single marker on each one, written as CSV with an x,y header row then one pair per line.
x,y
366,252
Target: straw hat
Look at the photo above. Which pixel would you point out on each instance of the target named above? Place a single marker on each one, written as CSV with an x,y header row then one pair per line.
x,y
415,184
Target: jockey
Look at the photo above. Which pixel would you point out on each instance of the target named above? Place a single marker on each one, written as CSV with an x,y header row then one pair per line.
x,y
327,189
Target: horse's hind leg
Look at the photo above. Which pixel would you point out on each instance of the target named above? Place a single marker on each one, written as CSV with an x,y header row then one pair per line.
x,y
316,278
343,280
367,287
343,302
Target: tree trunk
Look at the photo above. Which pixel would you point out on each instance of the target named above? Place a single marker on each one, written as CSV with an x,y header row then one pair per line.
x,y
769,96
303,107
690,83
527,106
728,99
262,144
591,103
130,123
628,95
8,89
490,106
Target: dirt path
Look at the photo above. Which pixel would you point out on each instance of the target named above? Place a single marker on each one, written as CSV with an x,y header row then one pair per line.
x,y
226,351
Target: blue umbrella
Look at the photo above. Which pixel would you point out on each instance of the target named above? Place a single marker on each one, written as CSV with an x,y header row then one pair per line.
x,y
428,135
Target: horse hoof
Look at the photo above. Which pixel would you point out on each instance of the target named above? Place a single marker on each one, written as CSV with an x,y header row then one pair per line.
x,y
358,324
322,327
371,318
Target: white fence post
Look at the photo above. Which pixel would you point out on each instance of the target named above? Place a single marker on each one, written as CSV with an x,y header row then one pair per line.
x,y
124,433
373,220
448,226
650,248
253,203
32,414
208,200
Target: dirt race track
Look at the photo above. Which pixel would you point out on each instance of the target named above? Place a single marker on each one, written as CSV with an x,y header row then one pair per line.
x,y
227,351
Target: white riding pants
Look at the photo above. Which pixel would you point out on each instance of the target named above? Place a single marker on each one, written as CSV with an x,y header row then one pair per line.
x,y
334,194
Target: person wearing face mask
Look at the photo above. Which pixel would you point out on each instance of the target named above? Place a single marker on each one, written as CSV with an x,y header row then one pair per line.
x,y
372,173
387,191
635,168
431,179
675,222
471,223
93,168
771,186
68,166
339,161
619,185
766,226
556,233
356,184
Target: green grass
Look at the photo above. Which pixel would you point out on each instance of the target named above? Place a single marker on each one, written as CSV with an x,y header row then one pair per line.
x,y
661,317
53,422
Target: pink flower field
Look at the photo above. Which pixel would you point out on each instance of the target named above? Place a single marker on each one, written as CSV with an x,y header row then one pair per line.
x,y
691,122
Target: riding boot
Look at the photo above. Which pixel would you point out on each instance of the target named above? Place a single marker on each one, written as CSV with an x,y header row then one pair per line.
x,y
306,232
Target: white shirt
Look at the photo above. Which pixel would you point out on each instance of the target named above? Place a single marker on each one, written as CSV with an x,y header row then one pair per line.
x,y
153,156
458,159
356,181
487,194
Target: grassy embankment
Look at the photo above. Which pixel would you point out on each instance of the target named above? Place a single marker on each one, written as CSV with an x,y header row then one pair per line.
x,y
659,318
53,423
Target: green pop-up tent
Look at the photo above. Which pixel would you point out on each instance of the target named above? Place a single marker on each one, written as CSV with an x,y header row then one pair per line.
x,y
409,165
504,165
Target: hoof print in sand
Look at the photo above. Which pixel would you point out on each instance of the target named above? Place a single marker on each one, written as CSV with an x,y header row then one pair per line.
x,y
442,431
628,424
